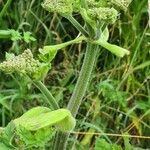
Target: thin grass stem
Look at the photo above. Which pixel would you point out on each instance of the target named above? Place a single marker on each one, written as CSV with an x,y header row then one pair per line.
x,y
5,8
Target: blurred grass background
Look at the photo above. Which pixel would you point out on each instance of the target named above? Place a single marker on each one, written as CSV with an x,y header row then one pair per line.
x,y
118,97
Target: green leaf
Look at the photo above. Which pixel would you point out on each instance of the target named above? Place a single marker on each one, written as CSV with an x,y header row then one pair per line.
x,y
143,105
52,53
15,35
102,144
35,127
110,93
127,144
43,58
8,134
27,37
49,52
42,71
47,57
4,102
41,117
4,147
34,139
20,137
117,50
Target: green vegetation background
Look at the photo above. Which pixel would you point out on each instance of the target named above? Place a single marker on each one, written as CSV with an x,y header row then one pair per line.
x,y
118,97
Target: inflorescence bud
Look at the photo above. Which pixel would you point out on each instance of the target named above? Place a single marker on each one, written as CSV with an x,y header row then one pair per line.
x,y
23,63
95,10
99,12
13,65
63,7
104,14
96,3
76,5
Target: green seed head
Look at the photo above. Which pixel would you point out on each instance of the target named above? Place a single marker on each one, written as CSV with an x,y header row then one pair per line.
x,y
63,7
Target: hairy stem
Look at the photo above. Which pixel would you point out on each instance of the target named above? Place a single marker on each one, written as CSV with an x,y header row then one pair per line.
x,y
60,142
79,91
50,99
84,77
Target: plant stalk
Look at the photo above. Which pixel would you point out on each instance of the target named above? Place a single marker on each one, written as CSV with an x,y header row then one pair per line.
x,y
84,77
77,25
49,97
79,91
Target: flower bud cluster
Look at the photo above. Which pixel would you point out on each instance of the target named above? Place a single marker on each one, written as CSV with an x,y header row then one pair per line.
x,y
76,5
96,13
63,7
13,65
103,11
23,63
120,4
104,14
97,3
32,65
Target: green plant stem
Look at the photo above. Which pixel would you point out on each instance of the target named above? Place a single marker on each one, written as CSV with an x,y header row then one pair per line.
x,y
84,77
50,99
79,91
5,8
77,26
5,34
60,141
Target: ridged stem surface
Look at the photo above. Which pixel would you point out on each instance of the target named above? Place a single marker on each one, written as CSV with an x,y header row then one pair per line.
x,y
79,91
48,96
